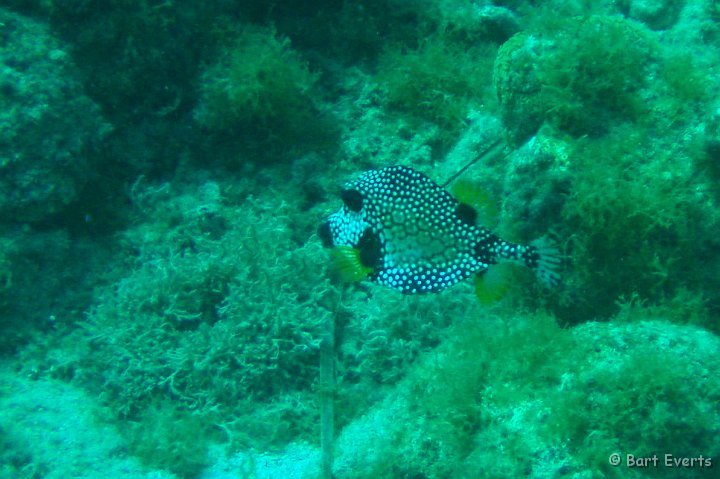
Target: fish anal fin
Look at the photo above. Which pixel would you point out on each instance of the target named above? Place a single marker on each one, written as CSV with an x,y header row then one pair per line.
x,y
492,284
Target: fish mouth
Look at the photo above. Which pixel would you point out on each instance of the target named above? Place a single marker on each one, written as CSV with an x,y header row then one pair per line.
x,y
325,234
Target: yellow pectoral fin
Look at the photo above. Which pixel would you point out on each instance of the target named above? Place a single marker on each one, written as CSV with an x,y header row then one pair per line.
x,y
473,195
346,262
492,284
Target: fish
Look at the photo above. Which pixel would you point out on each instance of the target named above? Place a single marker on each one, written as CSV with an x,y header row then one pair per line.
x,y
400,229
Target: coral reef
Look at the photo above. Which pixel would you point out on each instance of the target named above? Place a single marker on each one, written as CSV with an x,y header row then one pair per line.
x,y
517,86
438,82
48,124
261,97
656,14
163,274
189,340
50,133
261,79
84,444
514,397
435,81
582,75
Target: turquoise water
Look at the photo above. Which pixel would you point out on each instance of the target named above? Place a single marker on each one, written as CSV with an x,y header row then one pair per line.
x,y
169,310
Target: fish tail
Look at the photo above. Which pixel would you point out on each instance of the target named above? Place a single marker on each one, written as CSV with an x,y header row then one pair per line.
x,y
545,259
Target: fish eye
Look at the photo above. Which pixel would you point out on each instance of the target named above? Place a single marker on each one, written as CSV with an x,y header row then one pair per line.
x,y
352,199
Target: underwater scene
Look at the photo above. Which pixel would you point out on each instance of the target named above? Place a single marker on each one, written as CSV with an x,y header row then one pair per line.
x,y
402,239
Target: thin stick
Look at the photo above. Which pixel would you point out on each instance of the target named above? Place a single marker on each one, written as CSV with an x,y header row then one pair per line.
x,y
494,148
327,397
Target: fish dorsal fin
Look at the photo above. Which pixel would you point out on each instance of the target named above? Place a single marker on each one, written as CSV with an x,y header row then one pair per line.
x,y
347,263
471,195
